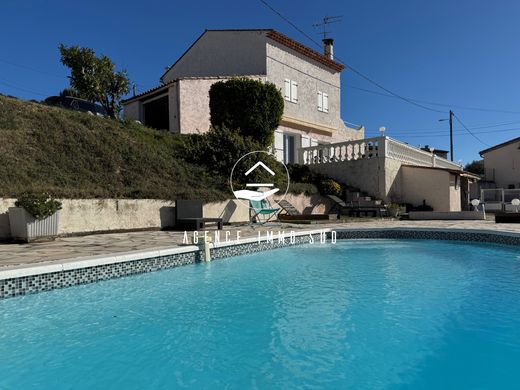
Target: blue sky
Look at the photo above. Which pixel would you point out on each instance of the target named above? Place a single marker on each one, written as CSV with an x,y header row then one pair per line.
x,y
461,53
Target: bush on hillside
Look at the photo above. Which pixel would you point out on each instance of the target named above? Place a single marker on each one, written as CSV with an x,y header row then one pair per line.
x,y
251,107
329,187
218,149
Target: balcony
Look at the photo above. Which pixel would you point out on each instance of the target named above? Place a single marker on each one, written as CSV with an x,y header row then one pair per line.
x,y
370,148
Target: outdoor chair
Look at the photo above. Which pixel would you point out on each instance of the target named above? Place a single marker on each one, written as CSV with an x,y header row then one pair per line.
x,y
290,214
189,214
338,204
262,207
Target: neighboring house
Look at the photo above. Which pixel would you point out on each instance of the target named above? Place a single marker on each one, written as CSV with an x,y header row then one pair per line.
x,y
502,164
309,82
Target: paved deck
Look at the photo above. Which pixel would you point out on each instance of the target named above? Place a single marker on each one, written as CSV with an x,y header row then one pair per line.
x,y
16,255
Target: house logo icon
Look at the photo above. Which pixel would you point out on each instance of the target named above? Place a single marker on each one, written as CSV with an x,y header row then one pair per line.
x,y
246,187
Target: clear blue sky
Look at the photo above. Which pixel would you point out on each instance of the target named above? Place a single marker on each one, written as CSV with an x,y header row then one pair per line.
x,y
461,53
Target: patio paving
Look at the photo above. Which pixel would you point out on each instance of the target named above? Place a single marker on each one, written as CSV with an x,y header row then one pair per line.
x,y
69,248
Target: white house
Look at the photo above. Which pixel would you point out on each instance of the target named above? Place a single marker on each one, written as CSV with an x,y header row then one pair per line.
x,y
311,131
308,80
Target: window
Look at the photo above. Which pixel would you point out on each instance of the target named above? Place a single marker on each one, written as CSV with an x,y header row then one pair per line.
x,y
323,102
291,91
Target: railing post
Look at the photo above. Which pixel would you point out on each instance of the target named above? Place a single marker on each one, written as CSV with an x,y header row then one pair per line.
x,y
382,146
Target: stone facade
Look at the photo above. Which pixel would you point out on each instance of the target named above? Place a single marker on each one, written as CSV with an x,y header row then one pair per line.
x,y
261,54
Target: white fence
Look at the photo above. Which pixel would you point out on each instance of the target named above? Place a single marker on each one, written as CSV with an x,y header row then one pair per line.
x,y
371,148
499,198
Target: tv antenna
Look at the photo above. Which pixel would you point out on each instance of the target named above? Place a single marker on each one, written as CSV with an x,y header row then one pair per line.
x,y
325,22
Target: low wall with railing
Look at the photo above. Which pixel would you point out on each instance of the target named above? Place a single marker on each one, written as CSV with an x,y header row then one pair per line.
x,y
372,164
369,148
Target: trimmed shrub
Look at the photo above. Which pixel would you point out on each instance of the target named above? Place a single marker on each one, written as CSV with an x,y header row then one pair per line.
x,y
251,107
39,205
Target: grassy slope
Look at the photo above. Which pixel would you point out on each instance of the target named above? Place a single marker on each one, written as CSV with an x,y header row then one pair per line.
x,y
75,155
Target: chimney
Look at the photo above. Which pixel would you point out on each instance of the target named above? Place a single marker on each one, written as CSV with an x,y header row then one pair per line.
x,y
328,48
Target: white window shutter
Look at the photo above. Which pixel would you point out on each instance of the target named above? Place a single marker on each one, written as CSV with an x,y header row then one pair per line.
x,y
305,141
294,91
314,142
320,101
287,89
325,102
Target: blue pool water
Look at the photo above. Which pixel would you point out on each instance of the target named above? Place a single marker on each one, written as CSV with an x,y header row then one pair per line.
x,y
367,314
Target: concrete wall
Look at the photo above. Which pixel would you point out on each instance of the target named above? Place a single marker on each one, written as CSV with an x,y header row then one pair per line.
x,y
133,111
92,215
503,165
222,53
366,174
387,179
100,215
436,187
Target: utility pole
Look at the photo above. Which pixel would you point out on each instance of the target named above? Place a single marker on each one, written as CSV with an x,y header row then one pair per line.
x,y
451,135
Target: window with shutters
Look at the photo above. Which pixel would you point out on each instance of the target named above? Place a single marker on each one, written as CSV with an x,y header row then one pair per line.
x,y
323,102
291,91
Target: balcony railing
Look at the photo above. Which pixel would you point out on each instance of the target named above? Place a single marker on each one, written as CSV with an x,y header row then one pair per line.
x,y
372,148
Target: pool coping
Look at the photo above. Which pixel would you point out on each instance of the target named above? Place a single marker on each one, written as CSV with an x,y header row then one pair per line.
x,y
30,278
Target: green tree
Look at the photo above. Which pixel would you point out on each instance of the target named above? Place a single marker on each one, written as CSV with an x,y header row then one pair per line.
x,y
95,78
251,107
476,167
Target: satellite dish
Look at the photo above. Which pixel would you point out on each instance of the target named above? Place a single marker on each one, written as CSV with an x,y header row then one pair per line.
x,y
515,202
475,202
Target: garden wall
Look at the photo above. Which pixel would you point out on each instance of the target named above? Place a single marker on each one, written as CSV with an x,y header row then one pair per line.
x,y
101,215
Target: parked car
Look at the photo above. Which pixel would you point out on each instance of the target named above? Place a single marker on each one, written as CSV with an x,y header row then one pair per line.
x,y
77,104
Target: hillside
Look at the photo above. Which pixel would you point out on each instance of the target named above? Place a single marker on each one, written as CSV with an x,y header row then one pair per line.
x,y
75,155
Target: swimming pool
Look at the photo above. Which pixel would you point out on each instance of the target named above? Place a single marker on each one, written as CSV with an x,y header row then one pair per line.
x,y
360,314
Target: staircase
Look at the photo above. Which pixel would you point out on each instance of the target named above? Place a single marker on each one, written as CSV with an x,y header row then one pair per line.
x,y
360,204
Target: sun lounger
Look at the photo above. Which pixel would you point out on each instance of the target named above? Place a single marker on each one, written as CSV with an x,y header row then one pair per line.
x,y
291,214
189,214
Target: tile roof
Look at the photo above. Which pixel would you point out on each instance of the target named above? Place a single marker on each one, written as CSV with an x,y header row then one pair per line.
x,y
280,38
305,50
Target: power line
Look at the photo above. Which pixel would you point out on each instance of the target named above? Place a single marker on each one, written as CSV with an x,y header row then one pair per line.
x,y
347,65
30,68
435,103
469,131
14,86
460,130
429,135
415,102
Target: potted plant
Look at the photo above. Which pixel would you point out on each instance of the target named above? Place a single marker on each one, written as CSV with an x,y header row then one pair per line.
x,y
34,216
393,210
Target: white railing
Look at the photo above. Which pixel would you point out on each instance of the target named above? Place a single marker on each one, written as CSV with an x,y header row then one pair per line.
x,y
342,151
372,148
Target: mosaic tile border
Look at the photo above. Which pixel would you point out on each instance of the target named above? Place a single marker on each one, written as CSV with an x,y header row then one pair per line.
x,y
53,280
419,234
